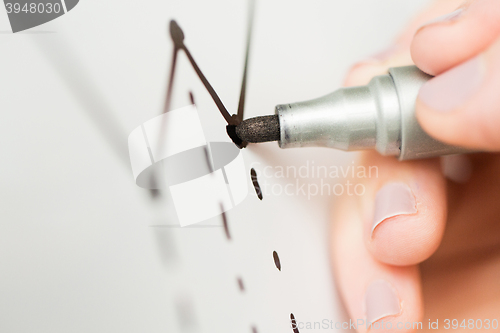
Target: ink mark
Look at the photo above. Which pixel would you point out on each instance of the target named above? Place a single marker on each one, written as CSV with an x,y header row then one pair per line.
x,y
176,34
294,323
241,285
254,329
277,260
255,183
241,103
231,131
178,38
191,98
231,128
224,222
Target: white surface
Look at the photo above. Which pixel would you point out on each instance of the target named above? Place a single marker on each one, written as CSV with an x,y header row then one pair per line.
x,y
200,198
182,132
196,198
77,248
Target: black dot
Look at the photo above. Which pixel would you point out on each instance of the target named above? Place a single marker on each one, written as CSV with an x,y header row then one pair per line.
x,y
191,97
294,323
224,223
240,284
255,183
277,260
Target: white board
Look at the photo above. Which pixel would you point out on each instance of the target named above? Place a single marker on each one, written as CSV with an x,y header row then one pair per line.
x,y
84,249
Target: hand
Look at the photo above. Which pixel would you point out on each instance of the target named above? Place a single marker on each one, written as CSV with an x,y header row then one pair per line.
x,y
423,242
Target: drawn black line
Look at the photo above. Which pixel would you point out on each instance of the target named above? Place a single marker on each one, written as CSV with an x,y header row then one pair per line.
x,y
191,98
294,323
277,260
241,103
255,183
224,222
240,284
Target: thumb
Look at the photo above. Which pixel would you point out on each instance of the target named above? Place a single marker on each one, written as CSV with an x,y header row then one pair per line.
x,y
451,39
461,106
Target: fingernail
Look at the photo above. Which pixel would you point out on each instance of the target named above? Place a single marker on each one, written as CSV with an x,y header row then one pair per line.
x,y
450,17
381,300
454,87
391,200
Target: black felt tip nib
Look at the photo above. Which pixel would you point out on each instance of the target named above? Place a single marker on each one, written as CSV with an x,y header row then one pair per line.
x,y
259,129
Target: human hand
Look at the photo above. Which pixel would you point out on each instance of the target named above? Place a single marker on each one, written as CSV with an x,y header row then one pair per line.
x,y
417,246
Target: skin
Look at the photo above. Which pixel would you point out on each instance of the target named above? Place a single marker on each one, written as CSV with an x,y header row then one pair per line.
x,y
444,261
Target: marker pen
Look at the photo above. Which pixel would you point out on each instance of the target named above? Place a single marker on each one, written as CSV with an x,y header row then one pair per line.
x,y
380,115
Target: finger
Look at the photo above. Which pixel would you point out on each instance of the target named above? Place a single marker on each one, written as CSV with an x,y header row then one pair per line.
x,y
462,106
404,209
380,236
449,40
397,54
373,292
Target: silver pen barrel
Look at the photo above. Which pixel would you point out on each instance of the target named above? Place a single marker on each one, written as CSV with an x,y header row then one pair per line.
x,y
380,115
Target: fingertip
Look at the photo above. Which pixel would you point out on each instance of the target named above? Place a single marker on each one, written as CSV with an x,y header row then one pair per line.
x,y
451,39
422,54
377,296
394,299
407,213
460,106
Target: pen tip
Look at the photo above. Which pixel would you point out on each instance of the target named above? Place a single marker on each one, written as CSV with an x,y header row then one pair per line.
x,y
259,129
